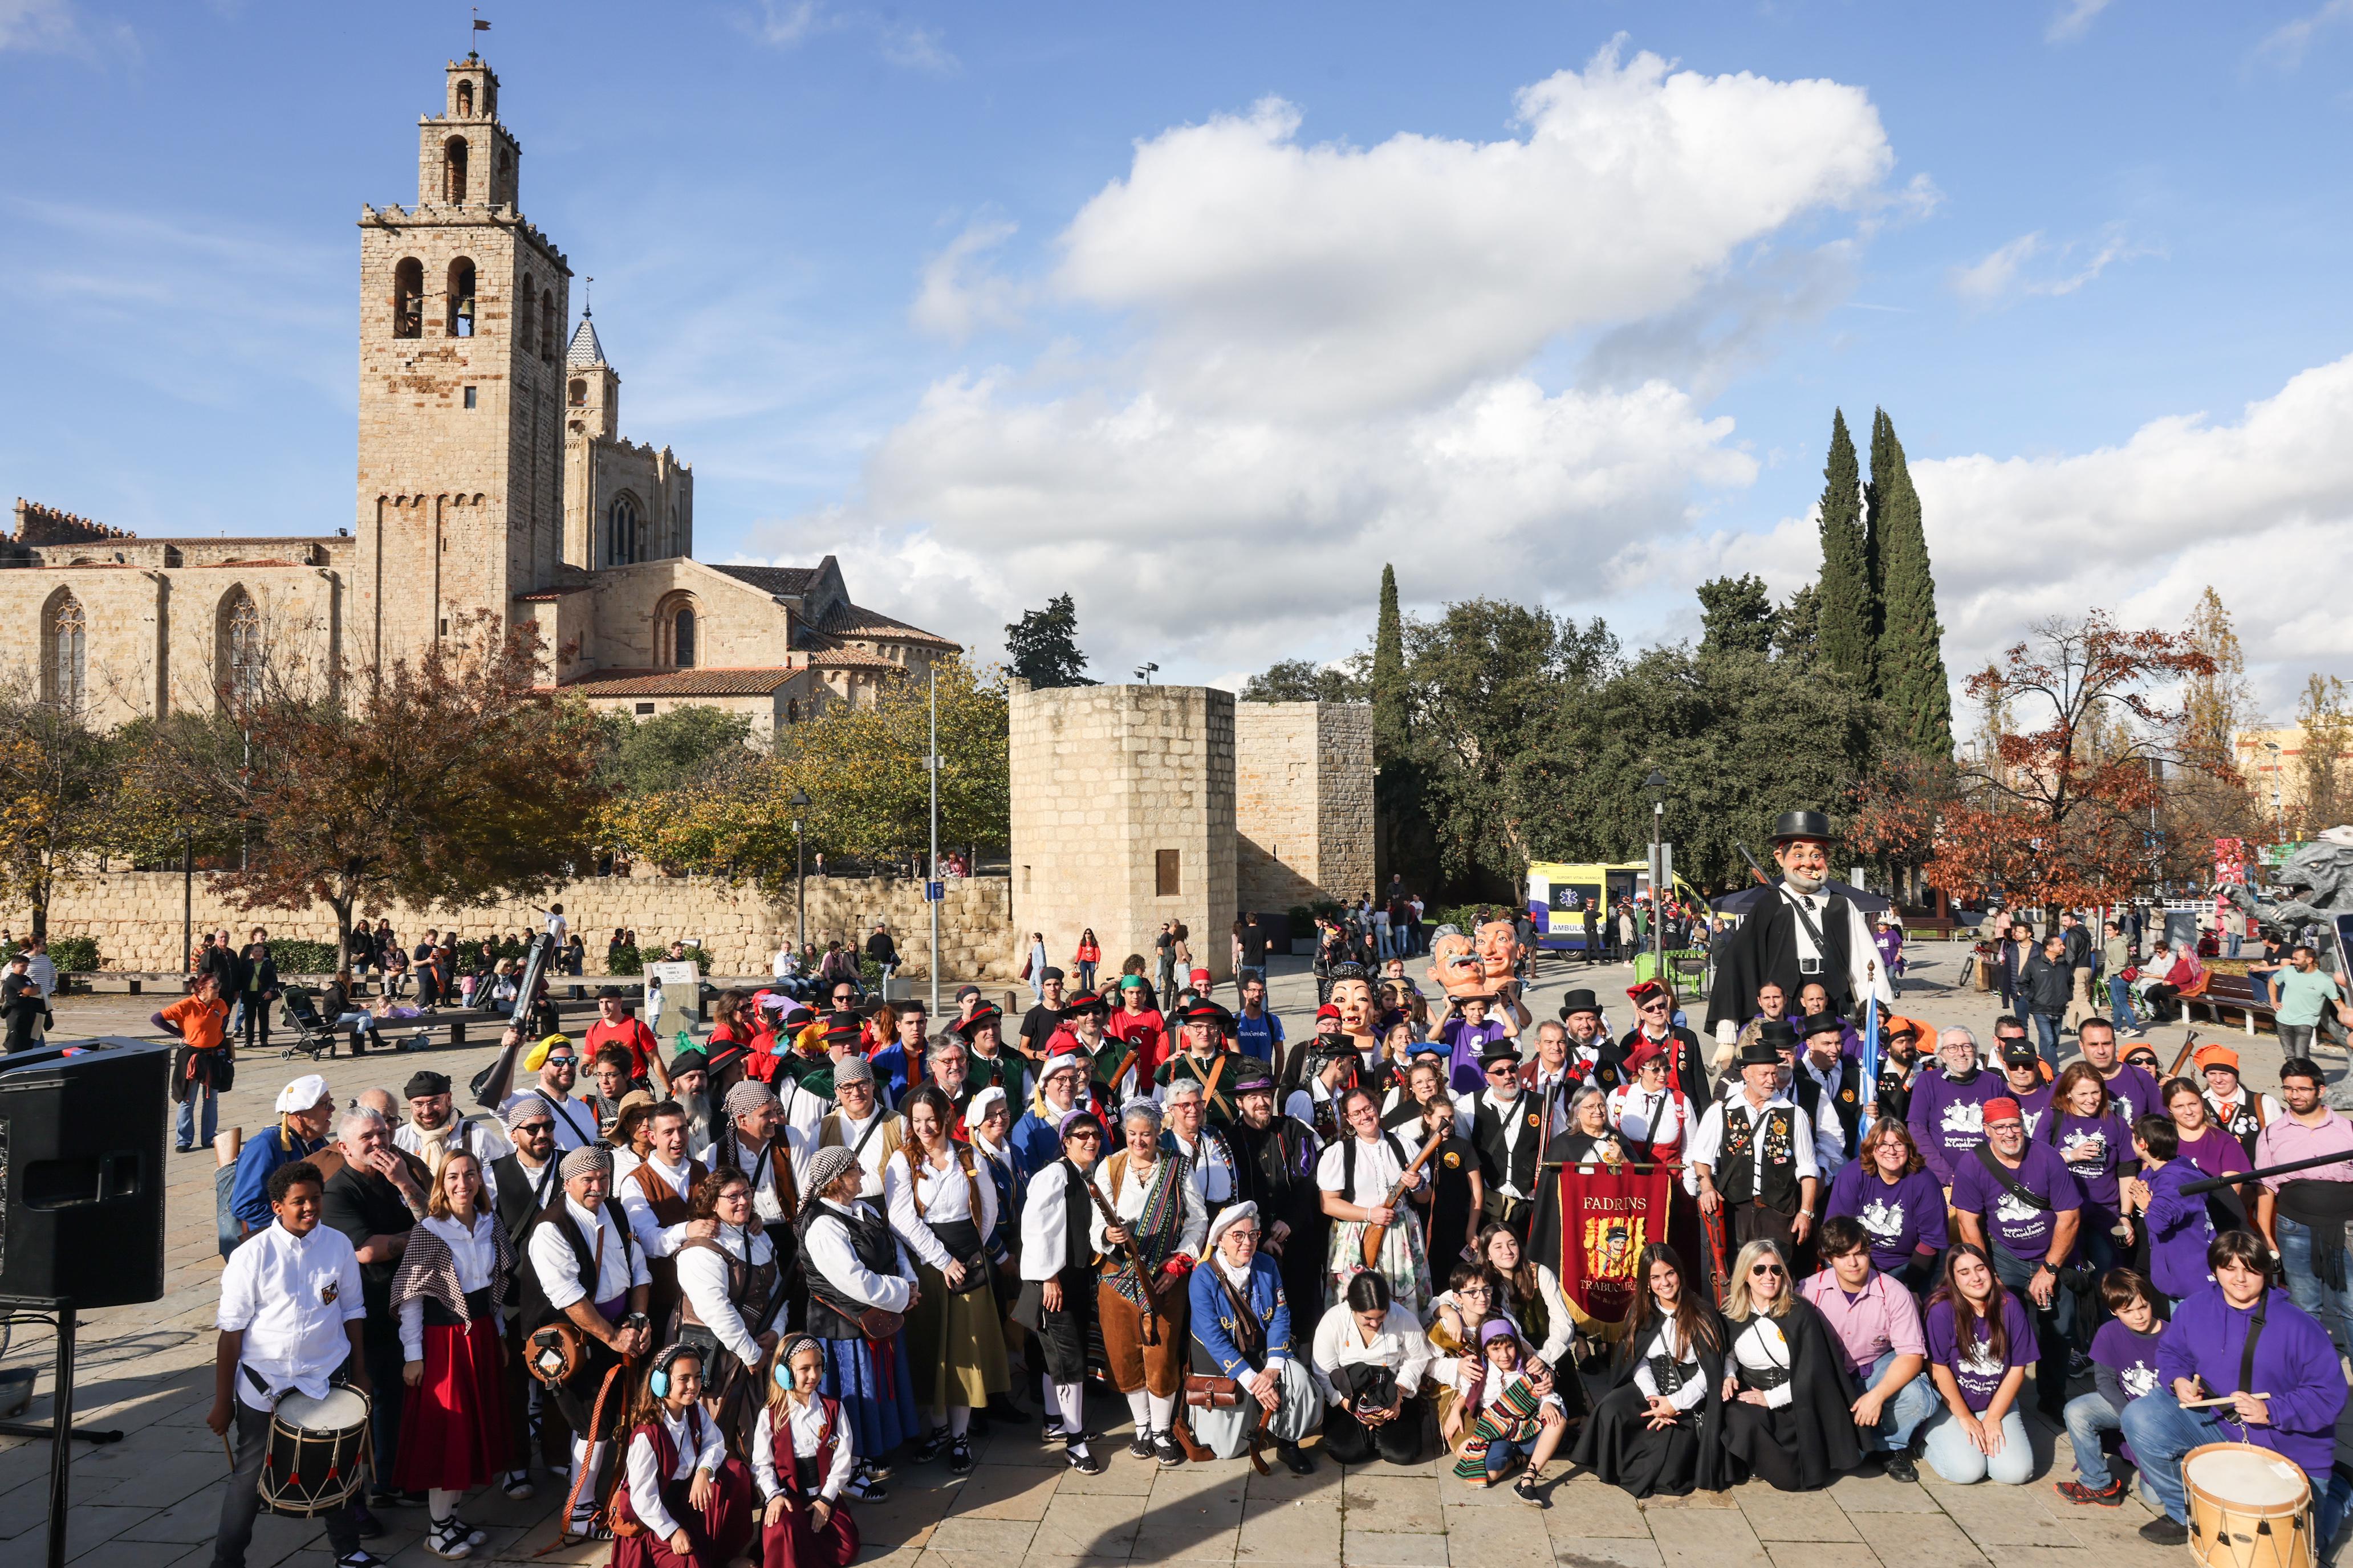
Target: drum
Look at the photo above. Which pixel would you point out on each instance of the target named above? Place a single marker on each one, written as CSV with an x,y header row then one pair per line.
x,y
2248,1508
318,1449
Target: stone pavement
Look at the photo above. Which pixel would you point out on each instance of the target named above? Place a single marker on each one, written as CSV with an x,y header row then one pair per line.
x,y
153,1499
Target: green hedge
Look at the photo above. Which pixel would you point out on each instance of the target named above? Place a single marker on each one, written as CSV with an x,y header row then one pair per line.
x,y
625,960
298,957
74,954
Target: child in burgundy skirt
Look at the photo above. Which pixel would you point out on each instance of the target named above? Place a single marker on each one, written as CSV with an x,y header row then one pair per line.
x,y
682,1502
447,1294
802,1458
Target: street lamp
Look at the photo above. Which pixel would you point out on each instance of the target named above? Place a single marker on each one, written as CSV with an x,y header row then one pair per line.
x,y
2279,821
801,875
1656,786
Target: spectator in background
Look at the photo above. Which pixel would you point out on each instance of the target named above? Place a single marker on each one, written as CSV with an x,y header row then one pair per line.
x,y
2303,992
2082,959
884,953
1088,959
425,963
1252,942
2049,983
1256,1031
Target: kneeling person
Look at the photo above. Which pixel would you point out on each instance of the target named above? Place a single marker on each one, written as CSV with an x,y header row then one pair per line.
x,y
1876,1322
1242,1329
692,1503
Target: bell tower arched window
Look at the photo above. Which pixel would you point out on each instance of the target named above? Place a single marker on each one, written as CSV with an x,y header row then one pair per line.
x,y
66,645
408,298
461,299
547,326
466,100
623,527
453,170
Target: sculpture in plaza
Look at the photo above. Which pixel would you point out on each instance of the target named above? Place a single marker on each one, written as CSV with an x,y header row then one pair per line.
x,y
2317,880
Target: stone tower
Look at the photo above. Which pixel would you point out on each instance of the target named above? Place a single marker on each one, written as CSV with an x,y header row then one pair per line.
x,y
463,306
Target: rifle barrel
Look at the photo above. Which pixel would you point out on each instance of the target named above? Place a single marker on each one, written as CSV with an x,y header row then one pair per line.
x,y
2214,1183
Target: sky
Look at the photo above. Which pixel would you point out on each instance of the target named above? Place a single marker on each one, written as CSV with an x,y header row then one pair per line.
x,y
1203,313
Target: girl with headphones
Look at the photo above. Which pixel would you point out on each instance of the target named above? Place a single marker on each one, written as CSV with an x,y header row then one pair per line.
x,y
802,1458
685,1504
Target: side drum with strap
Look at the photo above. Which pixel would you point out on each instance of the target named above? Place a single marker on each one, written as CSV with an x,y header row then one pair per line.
x,y
317,1452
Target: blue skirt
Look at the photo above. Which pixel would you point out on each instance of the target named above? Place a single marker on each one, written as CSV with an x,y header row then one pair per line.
x,y
877,1394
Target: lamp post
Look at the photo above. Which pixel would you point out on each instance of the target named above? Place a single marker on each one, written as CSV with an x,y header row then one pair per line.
x,y
800,874
2279,820
1657,786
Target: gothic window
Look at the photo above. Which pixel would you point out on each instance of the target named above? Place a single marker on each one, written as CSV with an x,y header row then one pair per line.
x,y
241,648
623,527
461,299
453,170
547,326
465,100
682,639
68,649
408,298
523,313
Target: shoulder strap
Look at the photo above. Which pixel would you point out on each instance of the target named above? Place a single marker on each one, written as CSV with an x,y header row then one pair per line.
x,y
2000,1172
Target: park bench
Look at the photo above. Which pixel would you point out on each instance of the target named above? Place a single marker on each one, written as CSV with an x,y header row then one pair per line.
x,y
2227,992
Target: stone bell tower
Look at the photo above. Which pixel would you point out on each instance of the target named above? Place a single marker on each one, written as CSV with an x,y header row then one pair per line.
x,y
463,306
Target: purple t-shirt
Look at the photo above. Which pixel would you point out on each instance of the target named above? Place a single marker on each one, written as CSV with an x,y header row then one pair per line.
x,y
2033,1106
2178,1228
2018,1229
1977,1371
2094,1147
1470,1042
2131,1356
2137,1093
1948,1118
1899,1218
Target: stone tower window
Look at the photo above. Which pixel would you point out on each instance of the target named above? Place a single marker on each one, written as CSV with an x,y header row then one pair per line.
x,y
240,646
461,299
524,313
579,393
408,298
547,328
1164,877
793,711
466,100
622,532
453,170
68,640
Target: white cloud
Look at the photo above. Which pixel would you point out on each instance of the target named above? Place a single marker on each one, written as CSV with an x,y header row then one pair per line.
x,y
2262,509
55,26
959,294
2073,20
2001,273
1278,364
2286,44
788,24
918,48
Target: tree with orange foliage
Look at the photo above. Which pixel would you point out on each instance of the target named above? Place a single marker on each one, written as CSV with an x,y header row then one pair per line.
x,y
2058,815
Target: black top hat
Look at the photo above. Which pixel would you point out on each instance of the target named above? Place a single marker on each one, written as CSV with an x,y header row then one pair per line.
x,y
1801,825
1579,1000
1823,1024
1500,1049
1776,1035
1761,1053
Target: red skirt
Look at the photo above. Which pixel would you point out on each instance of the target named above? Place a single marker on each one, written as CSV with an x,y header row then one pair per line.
x,y
453,1427
719,1534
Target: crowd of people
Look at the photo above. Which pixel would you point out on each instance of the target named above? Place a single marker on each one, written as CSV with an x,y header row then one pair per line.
x,y
718,1297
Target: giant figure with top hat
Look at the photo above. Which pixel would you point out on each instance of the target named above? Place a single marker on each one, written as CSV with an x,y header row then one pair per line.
x,y
1800,931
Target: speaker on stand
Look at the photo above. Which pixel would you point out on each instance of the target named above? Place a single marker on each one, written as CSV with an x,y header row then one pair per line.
x,y
81,1208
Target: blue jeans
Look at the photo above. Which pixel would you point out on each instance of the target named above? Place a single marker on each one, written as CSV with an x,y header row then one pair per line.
x,y
1502,1455
2333,1308
187,1124
2120,1004
2046,1032
1951,1455
1902,1415
2052,1324
2161,1433
2088,1416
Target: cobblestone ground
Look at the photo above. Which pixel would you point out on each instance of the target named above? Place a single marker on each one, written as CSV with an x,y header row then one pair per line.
x,y
153,1499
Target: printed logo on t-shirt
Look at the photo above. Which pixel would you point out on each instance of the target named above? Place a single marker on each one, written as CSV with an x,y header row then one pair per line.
x,y
1883,1219
2014,1210
1979,1359
1961,1117
2138,1379
2086,1147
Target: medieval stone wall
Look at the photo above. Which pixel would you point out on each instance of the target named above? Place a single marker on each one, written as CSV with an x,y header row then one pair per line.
x,y
1303,802
135,916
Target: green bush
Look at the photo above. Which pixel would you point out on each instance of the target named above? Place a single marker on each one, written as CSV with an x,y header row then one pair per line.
x,y
625,960
295,957
74,954
1464,917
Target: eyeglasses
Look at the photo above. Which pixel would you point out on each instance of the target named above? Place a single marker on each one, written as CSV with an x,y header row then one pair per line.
x,y
1474,1290
1088,1133
1654,1006
1236,1234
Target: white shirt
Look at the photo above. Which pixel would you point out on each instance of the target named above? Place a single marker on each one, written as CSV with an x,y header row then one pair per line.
x,y
1400,1346
1708,1141
807,1423
703,1279
1512,1115
44,975
876,1148
1830,1137
828,1254
1761,1346
290,1296
786,964
1866,975
623,1267
1128,1202
638,1210
1378,1166
1648,1117
787,1144
645,1487
478,1138
1213,1164
1044,1234
474,1253
1695,1388
946,1196
558,927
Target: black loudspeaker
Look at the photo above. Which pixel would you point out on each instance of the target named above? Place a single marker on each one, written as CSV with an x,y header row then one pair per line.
x,y
81,1167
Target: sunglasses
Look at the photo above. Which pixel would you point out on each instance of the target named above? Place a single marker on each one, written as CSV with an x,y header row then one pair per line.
x,y
1764,1270
534,1127
1502,1069
1088,1133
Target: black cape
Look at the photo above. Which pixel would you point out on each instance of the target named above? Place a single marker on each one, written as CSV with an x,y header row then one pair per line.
x,y
1817,1429
1690,1062
1618,1446
1763,946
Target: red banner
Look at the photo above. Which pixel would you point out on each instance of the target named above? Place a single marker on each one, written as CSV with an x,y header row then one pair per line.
x,y
1607,1218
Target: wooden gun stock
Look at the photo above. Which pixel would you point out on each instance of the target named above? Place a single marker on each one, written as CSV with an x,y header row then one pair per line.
x,y
1374,1235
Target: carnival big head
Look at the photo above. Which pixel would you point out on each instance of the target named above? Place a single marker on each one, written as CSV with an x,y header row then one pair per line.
x,y
1455,965
1352,993
1498,942
1802,847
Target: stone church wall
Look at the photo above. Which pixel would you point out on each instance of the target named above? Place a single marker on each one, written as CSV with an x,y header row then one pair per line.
x,y
135,916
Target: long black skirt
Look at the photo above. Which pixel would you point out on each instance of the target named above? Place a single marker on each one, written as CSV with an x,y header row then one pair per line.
x,y
1409,1439
1619,1445
1765,1442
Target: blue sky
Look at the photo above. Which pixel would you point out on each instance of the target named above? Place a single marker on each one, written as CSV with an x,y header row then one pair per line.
x,y
1201,313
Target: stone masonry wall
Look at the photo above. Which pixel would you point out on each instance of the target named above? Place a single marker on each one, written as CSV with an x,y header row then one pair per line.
x,y
1303,802
135,916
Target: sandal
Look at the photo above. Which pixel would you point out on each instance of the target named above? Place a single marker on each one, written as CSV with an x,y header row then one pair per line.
x,y
1526,1488
517,1485
932,1446
960,1458
447,1539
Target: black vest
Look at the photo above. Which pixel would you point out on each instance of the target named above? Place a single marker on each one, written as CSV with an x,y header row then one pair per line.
x,y
536,1312
876,1247
1078,1220
1736,1173
1517,1164
1846,1109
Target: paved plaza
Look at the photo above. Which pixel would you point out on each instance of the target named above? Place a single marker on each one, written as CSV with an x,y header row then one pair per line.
x,y
153,1499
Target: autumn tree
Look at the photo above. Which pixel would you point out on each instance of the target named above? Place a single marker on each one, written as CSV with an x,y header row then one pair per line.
x,y
59,785
2324,791
451,779
2056,812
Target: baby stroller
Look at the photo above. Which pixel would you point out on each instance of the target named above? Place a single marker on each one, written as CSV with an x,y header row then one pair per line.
x,y
313,1036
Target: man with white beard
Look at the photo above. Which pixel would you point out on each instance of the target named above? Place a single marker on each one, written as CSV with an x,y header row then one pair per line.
x,y
1795,932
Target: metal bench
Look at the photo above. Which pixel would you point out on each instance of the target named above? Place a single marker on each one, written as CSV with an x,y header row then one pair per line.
x,y
2227,992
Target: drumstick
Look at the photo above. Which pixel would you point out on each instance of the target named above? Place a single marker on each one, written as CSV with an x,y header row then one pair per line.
x,y
2217,1399
226,1451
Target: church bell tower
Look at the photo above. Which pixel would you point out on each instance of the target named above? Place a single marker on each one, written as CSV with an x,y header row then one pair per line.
x,y
463,306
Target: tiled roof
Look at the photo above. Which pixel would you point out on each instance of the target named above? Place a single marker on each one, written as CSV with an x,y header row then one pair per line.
x,y
585,349
759,682
773,579
847,620
850,658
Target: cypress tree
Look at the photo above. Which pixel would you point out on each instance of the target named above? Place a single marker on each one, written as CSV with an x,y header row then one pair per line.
x,y
1389,695
1846,597
1910,663
1875,506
